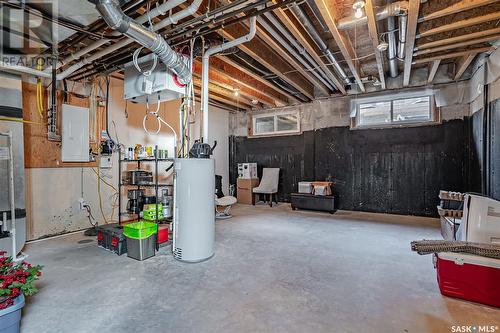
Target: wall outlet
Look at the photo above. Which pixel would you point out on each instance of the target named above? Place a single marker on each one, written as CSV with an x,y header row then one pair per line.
x,y
82,203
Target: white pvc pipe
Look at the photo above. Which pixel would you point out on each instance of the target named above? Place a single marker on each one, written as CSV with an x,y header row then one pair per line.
x,y
205,67
24,70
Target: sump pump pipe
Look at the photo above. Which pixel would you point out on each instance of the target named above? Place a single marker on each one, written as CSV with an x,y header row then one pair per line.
x,y
319,41
205,68
114,16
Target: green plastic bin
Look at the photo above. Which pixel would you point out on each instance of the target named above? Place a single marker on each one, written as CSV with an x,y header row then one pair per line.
x,y
140,230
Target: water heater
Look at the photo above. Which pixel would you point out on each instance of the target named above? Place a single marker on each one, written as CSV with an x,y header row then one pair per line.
x,y
194,215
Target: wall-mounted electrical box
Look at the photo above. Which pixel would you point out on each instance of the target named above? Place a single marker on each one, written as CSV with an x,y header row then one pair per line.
x,y
161,84
75,133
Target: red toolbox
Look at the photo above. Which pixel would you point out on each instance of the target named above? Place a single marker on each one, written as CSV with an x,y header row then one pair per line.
x,y
469,277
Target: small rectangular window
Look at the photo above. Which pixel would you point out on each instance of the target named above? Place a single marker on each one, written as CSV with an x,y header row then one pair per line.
x,y
279,123
386,111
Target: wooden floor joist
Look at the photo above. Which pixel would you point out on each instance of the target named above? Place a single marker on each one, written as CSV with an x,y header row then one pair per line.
x,y
458,39
330,15
457,45
411,30
295,31
372,29
453,55
270,85
456,8
227,82
263,53
460,24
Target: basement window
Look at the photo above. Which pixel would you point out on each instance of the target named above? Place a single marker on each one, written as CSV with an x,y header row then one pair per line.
x,y
276,124
400,110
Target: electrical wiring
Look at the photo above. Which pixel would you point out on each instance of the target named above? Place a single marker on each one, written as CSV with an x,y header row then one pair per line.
x,y
39,90
159,120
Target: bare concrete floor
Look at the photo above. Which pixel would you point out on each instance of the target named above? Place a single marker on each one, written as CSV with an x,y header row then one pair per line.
x,y
274,271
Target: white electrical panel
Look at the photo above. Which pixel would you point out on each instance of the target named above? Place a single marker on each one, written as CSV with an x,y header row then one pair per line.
x,y
75,133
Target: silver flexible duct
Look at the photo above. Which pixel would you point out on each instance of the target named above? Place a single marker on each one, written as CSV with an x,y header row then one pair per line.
x,y
391,9
302,17
116,19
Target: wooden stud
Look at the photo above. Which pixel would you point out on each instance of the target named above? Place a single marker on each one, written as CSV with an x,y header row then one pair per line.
x,y
460,24
462,65
413,8
456,8
458,39
454,55
433,70
372,30
329,13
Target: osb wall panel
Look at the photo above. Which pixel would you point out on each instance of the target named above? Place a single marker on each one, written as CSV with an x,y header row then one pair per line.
x,y
38,150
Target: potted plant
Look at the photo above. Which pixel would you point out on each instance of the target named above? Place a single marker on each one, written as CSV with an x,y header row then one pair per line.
x,y
16,281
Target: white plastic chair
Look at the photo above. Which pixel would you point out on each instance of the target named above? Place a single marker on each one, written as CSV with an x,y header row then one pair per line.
x,y
269,184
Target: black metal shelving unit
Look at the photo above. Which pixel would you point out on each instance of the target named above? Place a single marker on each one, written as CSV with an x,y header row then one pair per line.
x,y
154,185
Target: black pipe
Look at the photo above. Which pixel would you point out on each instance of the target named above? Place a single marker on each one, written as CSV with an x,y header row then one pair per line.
x,y
108,80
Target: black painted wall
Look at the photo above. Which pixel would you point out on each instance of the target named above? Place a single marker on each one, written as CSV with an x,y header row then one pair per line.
x,y
397,170
495,151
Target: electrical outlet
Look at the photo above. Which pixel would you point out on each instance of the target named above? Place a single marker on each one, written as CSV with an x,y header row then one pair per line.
x,y
82,203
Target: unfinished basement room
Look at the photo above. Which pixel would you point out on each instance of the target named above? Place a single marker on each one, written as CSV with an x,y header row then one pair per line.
x,y
227,166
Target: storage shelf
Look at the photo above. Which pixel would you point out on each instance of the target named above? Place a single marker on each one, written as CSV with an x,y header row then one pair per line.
x,y
147,185
148,160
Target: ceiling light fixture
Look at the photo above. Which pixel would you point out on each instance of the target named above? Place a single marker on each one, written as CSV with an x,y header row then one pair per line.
x,y
236,92
358,6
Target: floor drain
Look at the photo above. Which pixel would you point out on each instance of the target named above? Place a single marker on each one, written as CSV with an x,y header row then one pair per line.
x,y
85,241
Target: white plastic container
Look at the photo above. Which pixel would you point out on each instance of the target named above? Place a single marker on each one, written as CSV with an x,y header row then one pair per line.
x,y
194,215
305,187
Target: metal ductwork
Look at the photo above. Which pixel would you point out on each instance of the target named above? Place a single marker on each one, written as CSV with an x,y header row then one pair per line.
x,y
302,17
392,49
403,24
116,19
391,9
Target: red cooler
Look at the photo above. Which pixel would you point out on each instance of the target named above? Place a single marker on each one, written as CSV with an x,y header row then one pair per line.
x,y
469,277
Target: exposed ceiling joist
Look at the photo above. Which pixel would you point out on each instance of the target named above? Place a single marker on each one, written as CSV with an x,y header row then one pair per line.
x,y
215,88
462,65
330,15
458,39
245,80
257,77
267,38
411,30
372,29
460,24
293,28
226,81
433,70
457,45
223,99
456,8
454,55
260,51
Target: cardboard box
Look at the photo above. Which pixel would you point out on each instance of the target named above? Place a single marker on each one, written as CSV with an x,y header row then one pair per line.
x,y
244,190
